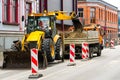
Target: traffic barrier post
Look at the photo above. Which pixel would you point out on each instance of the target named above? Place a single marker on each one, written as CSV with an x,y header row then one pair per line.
x,y
85,50
72,55
34,64
112,44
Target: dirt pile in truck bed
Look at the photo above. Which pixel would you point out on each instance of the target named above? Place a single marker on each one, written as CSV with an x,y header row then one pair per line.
x,y
75,34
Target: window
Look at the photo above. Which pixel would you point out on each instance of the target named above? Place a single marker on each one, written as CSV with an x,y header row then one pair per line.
x,y
80,12
15,11
10,11
28,10
6,10
92,15
99,14
108,16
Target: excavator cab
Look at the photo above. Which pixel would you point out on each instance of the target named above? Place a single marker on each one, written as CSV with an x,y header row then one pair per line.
x,y
42,23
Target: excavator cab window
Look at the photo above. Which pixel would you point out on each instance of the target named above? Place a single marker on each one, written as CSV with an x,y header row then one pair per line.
x,y
31,24
43,23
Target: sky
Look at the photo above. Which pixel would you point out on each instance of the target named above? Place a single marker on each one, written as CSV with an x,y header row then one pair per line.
x,y
114,2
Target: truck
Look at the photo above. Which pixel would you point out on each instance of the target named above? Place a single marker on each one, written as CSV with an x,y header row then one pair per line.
x,y
40,33
91,34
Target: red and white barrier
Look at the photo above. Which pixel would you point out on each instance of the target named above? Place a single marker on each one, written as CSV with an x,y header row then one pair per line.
x,y
85,50
112,44
34,64
72,55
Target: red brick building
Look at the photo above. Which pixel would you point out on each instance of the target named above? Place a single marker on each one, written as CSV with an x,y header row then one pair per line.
x,y
99,12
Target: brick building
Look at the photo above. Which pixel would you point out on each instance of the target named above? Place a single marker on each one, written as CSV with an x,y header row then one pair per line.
x,y
99,12
119,24
119,19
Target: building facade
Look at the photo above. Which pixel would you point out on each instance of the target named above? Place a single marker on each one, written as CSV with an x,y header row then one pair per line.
x,y
119,20
119,24
99,12
13,16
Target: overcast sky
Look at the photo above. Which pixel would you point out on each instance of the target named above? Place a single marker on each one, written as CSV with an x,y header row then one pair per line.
x,y
114,2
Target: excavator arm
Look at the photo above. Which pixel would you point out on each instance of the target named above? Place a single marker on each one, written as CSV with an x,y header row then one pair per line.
x,y
61,15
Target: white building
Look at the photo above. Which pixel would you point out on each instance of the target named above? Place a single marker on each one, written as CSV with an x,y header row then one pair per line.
x,y
12,24
13,16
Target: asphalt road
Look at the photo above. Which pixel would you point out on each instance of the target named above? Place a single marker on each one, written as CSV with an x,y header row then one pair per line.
x,y
105,67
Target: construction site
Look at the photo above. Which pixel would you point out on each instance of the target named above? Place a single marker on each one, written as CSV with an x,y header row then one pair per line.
x,y
40,34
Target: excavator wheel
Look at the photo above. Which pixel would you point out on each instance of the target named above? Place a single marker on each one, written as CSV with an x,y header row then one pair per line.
x,y
59,50
43,63
48,48
99,50
91,52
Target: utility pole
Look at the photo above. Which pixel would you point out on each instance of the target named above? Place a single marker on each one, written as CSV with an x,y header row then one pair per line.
x,y
105,27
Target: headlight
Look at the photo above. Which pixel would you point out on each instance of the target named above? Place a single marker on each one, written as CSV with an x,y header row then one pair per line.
x,y
49,28
25,28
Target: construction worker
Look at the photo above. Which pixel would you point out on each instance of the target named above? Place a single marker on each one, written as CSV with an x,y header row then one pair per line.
x,y
40,24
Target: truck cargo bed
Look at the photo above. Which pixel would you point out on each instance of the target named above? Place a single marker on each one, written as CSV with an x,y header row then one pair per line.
x,y
80,40
91,38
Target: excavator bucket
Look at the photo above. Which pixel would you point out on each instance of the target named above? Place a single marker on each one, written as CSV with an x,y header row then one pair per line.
x,y
77,24
21,59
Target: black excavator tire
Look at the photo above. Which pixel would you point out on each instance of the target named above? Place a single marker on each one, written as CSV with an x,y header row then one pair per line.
x,y
46,49
58,45
99,50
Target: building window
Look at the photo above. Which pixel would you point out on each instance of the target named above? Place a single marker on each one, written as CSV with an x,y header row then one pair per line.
x,y
99,14
10,11
6,10
108,16
114,18
15,11
92,15
80,12
28,10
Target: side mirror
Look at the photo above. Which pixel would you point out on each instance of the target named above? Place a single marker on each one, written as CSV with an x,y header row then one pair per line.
x,y
104,33
22,18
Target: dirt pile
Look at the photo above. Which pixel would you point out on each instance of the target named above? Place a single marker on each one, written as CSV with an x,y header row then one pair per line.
x,y
75,34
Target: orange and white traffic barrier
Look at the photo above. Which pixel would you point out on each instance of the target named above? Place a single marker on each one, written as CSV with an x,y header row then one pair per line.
x,y
72,55
85,50
34,64
112,44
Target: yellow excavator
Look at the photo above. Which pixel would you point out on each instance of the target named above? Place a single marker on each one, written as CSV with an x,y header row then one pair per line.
x,y
41,33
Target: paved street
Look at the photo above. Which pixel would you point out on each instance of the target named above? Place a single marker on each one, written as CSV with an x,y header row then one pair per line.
x,y
106,67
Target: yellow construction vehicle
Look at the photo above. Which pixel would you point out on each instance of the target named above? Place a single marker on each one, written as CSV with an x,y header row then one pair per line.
x,y
92,34
41,33
98,28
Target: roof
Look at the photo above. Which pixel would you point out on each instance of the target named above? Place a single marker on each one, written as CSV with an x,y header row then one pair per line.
x,y
102,2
